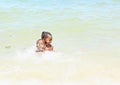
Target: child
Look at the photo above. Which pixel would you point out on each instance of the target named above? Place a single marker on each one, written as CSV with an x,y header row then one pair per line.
x,y
44,44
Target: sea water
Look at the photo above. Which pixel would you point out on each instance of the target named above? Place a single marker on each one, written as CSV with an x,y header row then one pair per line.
x,y
86,40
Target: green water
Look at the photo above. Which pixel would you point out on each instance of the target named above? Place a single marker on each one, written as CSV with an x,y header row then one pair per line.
x,y
86,40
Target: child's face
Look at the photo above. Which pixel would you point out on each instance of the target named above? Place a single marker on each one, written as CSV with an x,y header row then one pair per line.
x,y
48,40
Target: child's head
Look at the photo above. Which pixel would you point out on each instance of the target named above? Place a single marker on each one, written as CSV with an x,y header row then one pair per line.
x,y
47,37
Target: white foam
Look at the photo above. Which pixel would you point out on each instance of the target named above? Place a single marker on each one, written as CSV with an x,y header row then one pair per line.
x,y
30,54
62,69
48,82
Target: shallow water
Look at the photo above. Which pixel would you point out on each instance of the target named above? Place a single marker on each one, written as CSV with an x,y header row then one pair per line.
x,y
86,39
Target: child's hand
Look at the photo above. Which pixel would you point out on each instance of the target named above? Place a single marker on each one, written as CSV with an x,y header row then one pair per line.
x,y
49,48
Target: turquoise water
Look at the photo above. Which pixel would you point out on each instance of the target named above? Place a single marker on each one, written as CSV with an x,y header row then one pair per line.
x,y
86,39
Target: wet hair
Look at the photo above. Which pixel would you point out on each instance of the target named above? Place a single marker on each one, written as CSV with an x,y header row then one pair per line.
x,y
45,34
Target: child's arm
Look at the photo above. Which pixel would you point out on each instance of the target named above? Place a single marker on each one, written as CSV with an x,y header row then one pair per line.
x,y
49,47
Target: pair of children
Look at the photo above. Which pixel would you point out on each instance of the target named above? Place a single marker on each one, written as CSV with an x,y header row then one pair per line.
x,y
44,44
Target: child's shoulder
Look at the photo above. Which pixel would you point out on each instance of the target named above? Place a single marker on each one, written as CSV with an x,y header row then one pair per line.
x,y
39,41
